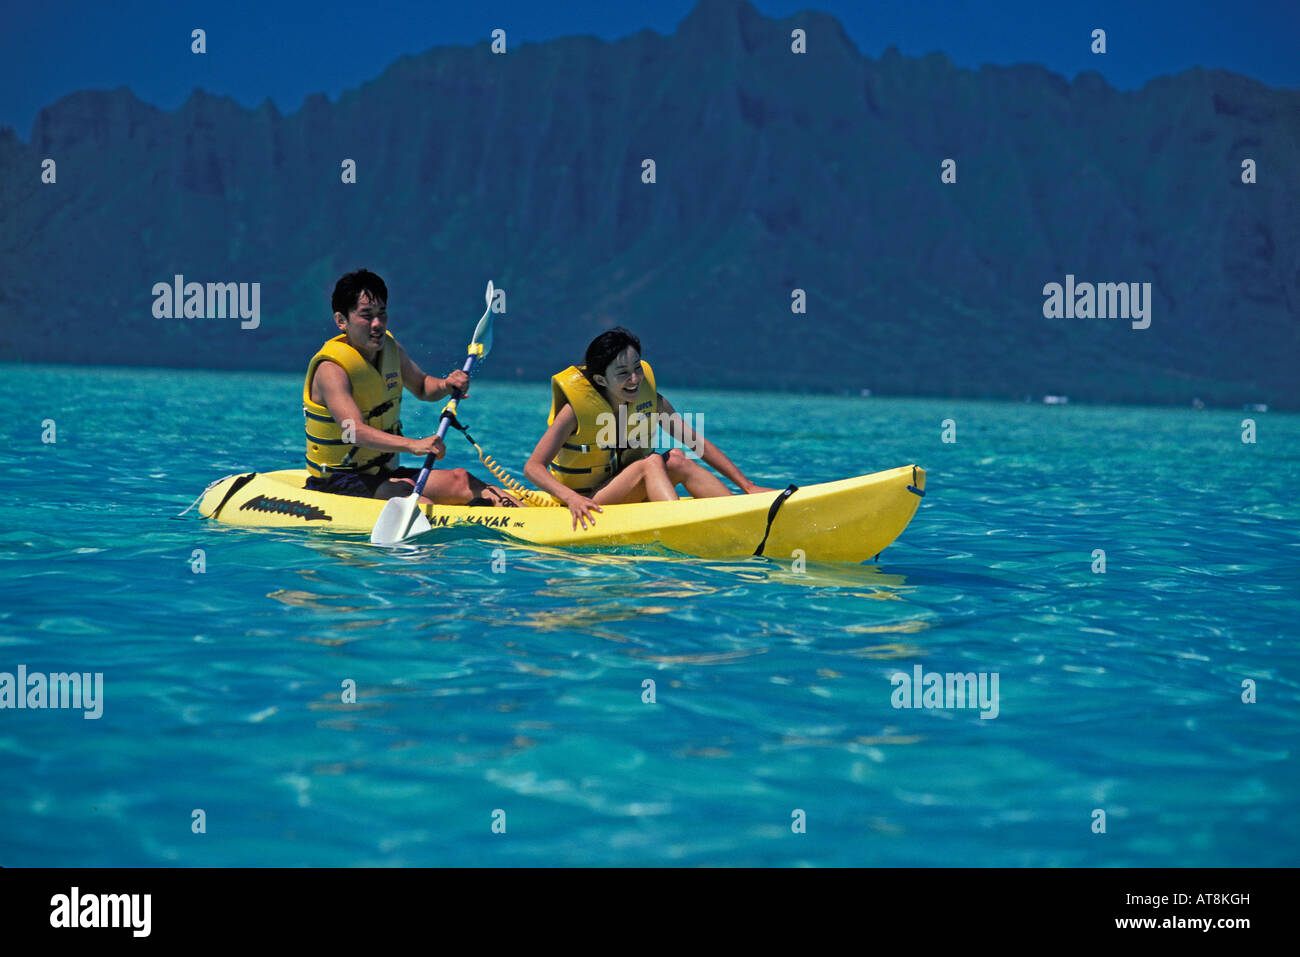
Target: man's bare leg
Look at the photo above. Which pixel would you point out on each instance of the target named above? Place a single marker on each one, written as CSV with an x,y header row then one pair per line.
x,y
444,487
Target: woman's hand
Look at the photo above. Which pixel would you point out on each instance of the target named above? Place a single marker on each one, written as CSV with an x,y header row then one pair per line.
x,y
581,507
749,488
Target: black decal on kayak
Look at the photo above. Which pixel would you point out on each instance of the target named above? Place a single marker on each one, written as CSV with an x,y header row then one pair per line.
x,y
440,521
490,521
284,506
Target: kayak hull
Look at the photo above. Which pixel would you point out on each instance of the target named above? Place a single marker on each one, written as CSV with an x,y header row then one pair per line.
x,y
850,520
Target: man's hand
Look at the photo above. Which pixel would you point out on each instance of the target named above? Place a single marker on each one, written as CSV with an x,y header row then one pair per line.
x,y
430,443
458,380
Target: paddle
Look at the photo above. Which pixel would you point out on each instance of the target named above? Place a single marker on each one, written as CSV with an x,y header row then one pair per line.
x,y
401,517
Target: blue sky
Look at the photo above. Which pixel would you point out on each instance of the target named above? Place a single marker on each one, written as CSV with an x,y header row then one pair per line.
x,y
286,49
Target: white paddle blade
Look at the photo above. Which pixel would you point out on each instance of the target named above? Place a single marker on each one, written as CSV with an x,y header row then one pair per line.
x,y
401,519
483,333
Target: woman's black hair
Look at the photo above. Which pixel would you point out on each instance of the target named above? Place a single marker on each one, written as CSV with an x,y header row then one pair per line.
x,y
348,290
606,347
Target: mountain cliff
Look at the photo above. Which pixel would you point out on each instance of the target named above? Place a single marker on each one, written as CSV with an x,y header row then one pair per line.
x,y
774,171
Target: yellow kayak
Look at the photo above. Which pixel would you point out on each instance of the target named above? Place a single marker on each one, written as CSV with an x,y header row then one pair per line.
x,y
851,520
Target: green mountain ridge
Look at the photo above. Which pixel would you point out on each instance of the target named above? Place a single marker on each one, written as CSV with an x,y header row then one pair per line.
x,y
775,171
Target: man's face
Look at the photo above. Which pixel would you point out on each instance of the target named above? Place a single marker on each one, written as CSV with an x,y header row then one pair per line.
x,y
364,325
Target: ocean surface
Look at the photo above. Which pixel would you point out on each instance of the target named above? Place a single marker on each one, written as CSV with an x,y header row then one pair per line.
x,y
514,698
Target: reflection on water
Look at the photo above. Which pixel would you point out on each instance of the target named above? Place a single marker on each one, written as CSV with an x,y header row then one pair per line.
x,y
906,627
305,599
589,621
864,579
718,658
882,652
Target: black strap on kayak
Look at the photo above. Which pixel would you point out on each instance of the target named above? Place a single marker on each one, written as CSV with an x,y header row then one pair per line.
x,y
235,486
913,489
771,515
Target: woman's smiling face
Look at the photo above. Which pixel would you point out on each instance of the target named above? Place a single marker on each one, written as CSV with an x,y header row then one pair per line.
x,y
622,378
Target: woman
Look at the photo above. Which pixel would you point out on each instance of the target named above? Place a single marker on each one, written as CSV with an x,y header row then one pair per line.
x,y
597,450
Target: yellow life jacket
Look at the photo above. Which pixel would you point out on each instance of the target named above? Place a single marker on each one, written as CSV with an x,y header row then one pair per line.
x,y
584,463
378,394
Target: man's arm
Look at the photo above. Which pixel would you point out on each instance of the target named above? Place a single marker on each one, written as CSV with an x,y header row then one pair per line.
x,y
336,393
430,388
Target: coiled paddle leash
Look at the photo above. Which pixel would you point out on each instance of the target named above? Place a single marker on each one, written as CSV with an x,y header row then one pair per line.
x,y
508,481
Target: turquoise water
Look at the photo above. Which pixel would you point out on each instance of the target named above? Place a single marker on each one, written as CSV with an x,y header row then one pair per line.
x,y
521,691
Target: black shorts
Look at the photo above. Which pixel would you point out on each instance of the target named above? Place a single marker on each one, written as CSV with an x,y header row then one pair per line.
x,y
353,483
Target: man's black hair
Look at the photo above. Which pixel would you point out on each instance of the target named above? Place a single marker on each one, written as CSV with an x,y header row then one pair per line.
x,y
348,290
606,347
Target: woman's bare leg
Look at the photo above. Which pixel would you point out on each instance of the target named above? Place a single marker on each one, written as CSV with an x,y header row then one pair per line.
x,y
645,479
699,481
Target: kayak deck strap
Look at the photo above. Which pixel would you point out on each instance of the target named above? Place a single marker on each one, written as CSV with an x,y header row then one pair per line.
x,y
919,492
235,486
771,515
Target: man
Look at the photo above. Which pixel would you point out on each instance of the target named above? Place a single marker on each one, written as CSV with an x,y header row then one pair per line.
x,y
352,400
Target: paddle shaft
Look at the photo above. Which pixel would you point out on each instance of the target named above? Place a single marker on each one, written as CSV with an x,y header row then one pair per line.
x,y
442,429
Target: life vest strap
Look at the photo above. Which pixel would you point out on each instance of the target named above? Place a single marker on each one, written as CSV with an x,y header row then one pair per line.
x,y
320,441
374,413
561,468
